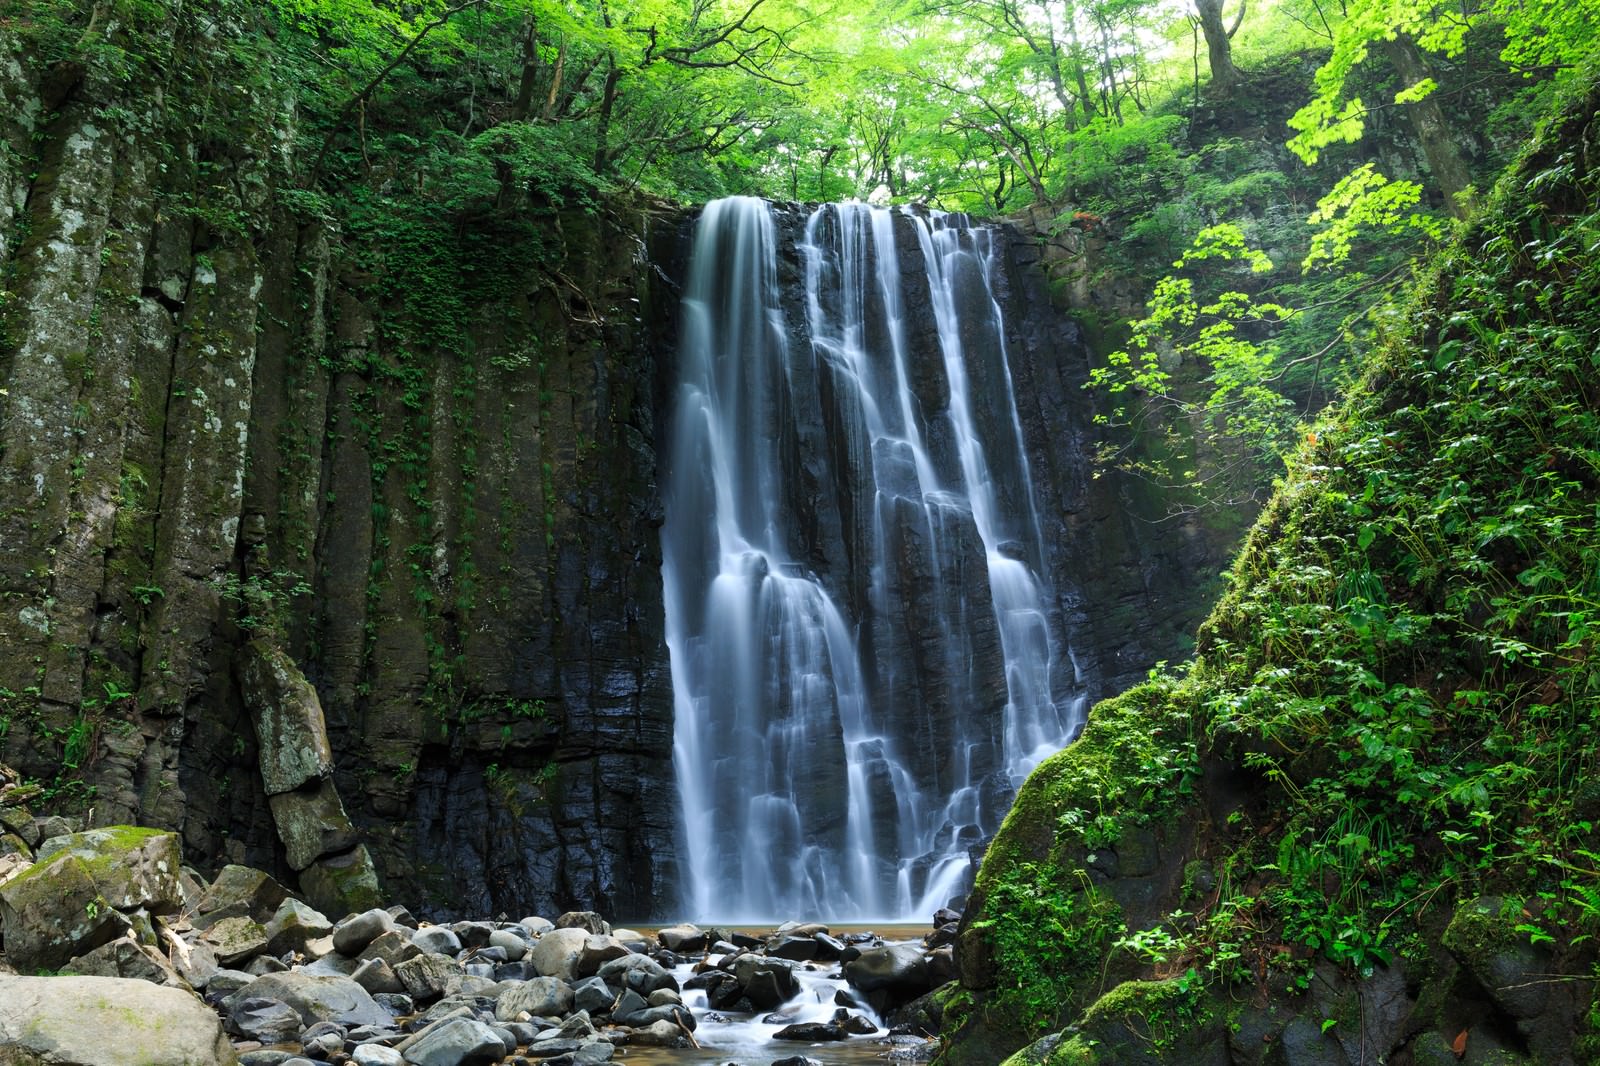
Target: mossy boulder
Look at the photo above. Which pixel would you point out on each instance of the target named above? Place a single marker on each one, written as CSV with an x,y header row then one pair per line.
x,y
1139,1023
73,899
343,884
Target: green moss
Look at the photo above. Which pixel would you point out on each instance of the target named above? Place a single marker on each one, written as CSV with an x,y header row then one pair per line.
x,y
1048,928
1135,762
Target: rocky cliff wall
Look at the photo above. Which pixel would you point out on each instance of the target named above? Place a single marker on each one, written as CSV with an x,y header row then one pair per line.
x,y
242,450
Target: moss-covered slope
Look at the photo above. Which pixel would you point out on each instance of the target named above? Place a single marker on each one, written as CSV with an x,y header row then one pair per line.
x,y
1359,826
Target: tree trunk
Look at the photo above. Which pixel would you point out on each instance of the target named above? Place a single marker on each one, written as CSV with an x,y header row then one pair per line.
x,y
1219,50
602,129
1433,131
530,69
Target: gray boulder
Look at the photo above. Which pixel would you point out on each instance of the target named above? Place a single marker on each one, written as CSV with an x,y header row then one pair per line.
x,y
889,976
436,940
318,998
641,973
376,1055
542,997
597,951
270,1021
239,891
126,957
235,940
72,899
556,953
512,944
107,1021
427,977
352,935
594,995
588,921
294,925
683,939
457,1042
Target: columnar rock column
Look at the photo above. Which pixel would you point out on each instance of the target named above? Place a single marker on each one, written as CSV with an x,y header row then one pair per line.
x,y
336,871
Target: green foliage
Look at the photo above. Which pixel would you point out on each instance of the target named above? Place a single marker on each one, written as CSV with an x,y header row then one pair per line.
x,y
1398,694
1049,931
1539,35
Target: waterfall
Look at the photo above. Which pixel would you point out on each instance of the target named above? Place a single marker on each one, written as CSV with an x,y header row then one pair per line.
x,y
857,612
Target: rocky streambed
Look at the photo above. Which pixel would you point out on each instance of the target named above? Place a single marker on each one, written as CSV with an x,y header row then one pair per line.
x,y
114,952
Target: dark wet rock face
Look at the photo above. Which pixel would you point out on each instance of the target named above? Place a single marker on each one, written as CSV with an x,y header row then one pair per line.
x,y
238,467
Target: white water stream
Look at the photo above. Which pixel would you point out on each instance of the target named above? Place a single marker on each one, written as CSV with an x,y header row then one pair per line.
x,y
857,617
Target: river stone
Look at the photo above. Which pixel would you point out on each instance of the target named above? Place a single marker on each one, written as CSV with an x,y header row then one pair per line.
x,y
796,1060
427,977
593,1054
828,949
588,921
436,940
854,1024
457,1042
650,1015
239,891
318,998
630,1002
375,976
639,972
683,939
556,953
376,1055
597,951
397,1004
393,947
794,948
663,997
473,934
270,1021
352,935
513,945
810,1032
262,965
322,1044
659,1034
108,1021
594,995
540,997
294,925
897,974
126,957
551,1046
536,925
236,939
515,971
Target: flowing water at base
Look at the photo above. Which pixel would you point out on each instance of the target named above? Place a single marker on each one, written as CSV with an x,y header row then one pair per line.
x,y
746,1040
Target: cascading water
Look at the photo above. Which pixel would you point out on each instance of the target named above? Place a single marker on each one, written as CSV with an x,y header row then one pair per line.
x,y
863,664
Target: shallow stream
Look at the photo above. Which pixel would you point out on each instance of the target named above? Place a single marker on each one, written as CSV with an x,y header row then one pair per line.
x,y
747,1040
